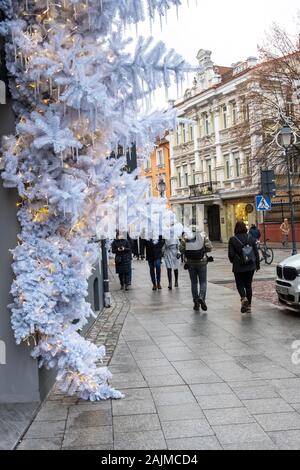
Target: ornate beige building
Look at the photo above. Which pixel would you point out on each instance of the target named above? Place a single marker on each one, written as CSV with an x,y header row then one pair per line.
x,y
213,179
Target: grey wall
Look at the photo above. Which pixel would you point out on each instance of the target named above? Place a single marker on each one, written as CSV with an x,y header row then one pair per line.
x,y
19,376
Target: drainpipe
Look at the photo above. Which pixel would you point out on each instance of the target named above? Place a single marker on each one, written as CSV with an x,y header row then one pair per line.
x,y
106,293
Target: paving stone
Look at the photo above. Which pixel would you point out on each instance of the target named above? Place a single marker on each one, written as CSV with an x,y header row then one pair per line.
x,y
91,436
179,354
290,395
147,440
240,433
83,419
52,411
84,405
40,444
219,402
44,429
132,423
275,373
194,443
177,395
279,421
130,407
264,445
211,389
283,384
249,383
101,447
228,416
267,405
158,371
286,440
164,380
186,411
186,428
252,393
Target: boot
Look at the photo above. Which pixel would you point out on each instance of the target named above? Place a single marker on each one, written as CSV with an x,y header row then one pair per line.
x,y
170,278
154,287
176,277
203,304
245,305
159,287
196,306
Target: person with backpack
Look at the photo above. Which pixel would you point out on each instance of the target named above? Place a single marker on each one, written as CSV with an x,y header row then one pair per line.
x,y
195,251
243,254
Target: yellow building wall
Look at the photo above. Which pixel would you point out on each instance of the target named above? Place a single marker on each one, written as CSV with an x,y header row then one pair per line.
x,y
155,171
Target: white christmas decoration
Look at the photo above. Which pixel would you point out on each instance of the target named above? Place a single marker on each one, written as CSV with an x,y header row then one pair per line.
x,y
77,92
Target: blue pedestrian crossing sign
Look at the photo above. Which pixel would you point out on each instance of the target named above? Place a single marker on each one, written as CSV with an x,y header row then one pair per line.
x,y
263,203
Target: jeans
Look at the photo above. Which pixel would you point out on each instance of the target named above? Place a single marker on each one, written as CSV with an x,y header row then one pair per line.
x,y
198,274
244,284
155,270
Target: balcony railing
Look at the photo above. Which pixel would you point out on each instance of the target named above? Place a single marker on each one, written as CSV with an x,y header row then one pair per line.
x,y
203,189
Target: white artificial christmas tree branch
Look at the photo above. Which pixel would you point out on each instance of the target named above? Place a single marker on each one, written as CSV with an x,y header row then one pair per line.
x,y
76,92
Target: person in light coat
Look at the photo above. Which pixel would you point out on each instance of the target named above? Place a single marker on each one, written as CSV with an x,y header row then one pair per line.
x,y
172,256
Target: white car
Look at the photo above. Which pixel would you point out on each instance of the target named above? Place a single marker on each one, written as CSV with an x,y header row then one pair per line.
x,y
288,281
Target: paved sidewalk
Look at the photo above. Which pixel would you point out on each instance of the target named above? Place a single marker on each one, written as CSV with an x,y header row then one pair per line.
x,y
192,381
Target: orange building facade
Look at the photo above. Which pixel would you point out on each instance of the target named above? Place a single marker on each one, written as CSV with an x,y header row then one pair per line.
x,y
157,168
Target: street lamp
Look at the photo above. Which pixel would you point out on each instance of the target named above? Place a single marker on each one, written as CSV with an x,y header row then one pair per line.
x,y
161,186
285,139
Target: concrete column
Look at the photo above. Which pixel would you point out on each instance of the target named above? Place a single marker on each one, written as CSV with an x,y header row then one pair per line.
x,y
173,171
189,167
200,216
219,155
232,169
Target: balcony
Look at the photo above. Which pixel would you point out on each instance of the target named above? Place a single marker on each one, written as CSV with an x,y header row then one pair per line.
x,y
203,189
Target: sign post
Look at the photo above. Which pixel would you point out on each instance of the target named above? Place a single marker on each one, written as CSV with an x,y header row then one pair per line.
x,y
263,204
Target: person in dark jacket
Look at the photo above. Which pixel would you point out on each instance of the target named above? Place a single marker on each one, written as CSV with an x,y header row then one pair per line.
x,y
122,249
153,256
195,251
255,232
243,270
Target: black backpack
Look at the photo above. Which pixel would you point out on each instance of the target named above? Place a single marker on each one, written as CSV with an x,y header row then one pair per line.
x,y
247,257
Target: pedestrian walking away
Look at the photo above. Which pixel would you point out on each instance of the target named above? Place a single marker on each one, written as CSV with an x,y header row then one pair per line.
x,y
255,232
153,256
172,256
195,252
243,254
285,231
122,249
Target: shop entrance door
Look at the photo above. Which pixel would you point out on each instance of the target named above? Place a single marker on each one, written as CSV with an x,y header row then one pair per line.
x,y
214,226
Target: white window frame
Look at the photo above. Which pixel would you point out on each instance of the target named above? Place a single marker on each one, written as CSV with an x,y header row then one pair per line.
x,y
227,174
225,116
160,158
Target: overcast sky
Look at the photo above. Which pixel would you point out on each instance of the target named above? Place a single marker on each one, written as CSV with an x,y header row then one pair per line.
x,y
231,29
